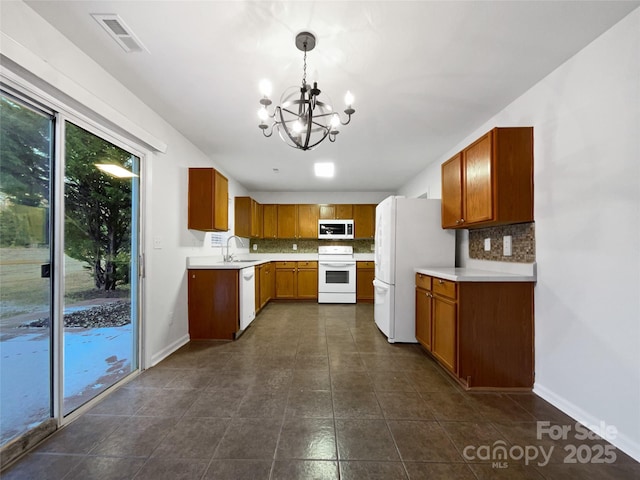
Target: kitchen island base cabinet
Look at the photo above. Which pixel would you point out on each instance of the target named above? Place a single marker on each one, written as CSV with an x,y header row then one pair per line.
x,y
480,332
214,311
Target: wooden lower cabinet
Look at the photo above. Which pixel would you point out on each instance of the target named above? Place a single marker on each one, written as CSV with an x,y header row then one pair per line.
x,y
266,284
481,332
296,280
365,273
307,280
424,300
214,307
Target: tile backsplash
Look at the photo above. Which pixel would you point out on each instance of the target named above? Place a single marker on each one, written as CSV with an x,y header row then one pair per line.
x,y
306,246
523,243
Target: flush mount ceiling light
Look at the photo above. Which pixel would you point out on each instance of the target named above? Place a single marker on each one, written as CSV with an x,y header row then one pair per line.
x,y
323,169
301,119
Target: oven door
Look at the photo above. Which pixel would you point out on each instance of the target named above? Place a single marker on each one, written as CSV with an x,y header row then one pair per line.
x,y
336,277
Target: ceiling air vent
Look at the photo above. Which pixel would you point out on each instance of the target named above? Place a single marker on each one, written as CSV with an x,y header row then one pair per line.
x,y
118,30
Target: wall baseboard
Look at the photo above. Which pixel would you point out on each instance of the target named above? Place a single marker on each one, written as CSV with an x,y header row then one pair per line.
x,y
168,350
621,440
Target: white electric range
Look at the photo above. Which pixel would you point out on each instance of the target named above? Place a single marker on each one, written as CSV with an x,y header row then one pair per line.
x,y
336,274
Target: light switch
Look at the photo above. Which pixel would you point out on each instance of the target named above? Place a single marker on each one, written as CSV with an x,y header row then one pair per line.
x,y
506,241
487,244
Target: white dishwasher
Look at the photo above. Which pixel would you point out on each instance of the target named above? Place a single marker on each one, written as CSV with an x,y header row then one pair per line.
x,y
247,296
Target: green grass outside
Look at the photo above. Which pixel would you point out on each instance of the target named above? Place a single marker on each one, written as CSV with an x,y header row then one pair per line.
x,y
22,290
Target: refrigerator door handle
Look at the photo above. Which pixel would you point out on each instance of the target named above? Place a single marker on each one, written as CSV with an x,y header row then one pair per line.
x,y
381,287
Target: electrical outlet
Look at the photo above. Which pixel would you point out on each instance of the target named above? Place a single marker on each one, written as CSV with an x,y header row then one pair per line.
x,y
487,244
255,247
506,245
373,247
295,246
157,243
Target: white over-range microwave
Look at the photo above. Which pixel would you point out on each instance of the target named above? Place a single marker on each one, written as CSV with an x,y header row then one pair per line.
x,y
335,229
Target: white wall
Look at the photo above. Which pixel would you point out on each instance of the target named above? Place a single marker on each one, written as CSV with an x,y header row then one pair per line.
x,y
586,118
56,63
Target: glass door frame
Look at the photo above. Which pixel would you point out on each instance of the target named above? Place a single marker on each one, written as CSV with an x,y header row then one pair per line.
x,y
61,120
63,112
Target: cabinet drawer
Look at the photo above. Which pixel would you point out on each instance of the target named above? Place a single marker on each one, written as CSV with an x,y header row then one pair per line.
x,y
423,281
445,288
307,264
365,264
285,264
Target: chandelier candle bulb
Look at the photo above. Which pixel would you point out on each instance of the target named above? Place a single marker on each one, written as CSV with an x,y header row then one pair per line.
x,y
265,87
348,99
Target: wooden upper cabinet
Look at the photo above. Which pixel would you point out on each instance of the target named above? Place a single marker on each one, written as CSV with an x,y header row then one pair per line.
x,y
308,221
327,212
287,220
494,182
478,185
242,216
341,211
344,211
364,220
452,192
208,204
256,219
270,221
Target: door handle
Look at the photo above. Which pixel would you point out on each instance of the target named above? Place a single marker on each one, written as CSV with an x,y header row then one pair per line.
x,y
45,270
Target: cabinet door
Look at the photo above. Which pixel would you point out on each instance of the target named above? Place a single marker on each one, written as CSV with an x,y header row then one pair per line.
x,y
258,276
423,317
208,207
221,202
256,219
365,274
344,211
266,284
308,221
242,216
287,221
327,212
285,280
214,311
364,219
478,184
444,332
307,280
452,192
270,221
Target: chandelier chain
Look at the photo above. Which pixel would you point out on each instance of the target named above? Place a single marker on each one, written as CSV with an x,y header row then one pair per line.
x,y
304,68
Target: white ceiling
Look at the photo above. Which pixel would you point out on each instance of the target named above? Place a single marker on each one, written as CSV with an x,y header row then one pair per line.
x,y
424,73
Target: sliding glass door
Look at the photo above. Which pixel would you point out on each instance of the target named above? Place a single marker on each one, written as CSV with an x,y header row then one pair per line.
x,y
69,249
101,251
26,147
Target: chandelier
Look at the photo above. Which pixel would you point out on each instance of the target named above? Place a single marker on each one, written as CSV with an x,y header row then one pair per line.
x,y
302,119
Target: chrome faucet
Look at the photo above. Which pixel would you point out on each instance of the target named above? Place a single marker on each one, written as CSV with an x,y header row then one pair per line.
x,y
227,257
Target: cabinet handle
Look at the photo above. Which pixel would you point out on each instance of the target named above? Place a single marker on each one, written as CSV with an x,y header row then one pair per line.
x,y
462,220
440,282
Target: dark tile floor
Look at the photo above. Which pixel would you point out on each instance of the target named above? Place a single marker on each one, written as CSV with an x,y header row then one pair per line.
x,y
313,392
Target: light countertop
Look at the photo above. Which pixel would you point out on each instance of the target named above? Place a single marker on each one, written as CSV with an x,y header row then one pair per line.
x,y
474,275
215,261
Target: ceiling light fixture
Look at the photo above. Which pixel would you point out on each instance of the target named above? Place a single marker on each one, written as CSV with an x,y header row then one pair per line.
x,y
302,120
323,169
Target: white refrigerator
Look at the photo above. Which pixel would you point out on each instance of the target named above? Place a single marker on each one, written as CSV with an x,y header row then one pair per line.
x,y
408,235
